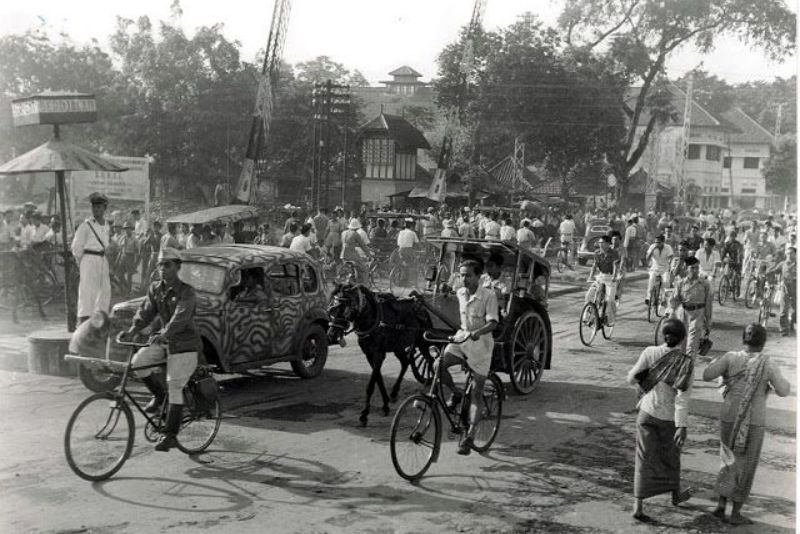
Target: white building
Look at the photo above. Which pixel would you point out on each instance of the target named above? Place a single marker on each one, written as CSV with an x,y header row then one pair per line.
x,y
725,157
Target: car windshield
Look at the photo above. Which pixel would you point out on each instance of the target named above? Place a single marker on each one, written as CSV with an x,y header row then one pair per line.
x,y
203,276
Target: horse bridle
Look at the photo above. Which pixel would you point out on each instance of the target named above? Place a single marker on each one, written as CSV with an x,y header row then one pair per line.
x,y
359,308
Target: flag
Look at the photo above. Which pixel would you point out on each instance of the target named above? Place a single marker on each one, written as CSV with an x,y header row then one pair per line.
x,y
438,187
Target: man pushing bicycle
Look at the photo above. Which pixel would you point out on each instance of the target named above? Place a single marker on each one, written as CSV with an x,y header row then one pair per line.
x,y
171,303
478,310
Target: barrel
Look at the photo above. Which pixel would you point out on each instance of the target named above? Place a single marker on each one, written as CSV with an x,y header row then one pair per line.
x,y
46,350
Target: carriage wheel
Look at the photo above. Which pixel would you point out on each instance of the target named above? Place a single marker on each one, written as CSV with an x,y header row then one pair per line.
x,y
529,349
589,323
422,363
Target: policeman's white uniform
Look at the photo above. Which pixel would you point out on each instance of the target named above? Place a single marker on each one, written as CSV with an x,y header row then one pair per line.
x,y
94,290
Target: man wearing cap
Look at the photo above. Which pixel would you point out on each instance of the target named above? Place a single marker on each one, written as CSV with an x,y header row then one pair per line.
x,y
171,303
695,296
352,241
89,249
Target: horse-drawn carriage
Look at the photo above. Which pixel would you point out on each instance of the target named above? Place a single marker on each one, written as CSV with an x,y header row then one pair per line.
x,y
385,323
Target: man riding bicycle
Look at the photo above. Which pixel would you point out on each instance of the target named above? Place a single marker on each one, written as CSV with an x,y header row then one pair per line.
x,y
677,266
709,260
732,252
607,265
658,257
479,316
172,303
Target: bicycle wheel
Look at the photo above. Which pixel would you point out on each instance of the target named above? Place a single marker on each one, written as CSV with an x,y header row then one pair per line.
x,y
415,437
722,291
750,294
489,424
652,306
605,328
659,335
736,286
99,437
560,261
660,297
589,323
199,425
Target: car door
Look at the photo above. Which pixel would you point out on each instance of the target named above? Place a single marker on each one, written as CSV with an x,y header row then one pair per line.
x,y
286,291
250,325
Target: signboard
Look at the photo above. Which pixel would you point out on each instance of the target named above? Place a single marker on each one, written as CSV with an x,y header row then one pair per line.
x,y
127,187
56,108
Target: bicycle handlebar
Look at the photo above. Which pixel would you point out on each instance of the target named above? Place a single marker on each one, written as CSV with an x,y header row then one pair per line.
x,y
129,343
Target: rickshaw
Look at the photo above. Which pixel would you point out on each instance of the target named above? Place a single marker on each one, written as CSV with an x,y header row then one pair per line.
x,y
247,215
523,340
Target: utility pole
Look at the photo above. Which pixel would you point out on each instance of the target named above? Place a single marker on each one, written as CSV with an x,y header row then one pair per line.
x,y
330,101
778,119
519,165
687,120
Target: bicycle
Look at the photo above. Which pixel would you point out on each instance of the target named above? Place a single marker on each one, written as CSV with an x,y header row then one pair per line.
x,y
771,283
416,431
405,273
594,315
100,432
563,255
729,284
655,299
754,290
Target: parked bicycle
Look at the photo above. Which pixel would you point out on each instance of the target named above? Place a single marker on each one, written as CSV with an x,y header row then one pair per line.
x,y
416,432
100,432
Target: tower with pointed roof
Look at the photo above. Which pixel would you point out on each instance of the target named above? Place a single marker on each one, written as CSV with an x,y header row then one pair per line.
x,y
405,81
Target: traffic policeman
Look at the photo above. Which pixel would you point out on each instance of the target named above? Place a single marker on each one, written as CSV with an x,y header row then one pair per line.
x,y
693,294
89,249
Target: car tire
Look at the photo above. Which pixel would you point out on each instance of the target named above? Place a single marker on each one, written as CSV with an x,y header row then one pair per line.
x,y
313,352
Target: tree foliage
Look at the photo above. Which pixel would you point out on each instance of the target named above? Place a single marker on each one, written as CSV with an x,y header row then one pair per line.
x,y
780,170
637,37
323,68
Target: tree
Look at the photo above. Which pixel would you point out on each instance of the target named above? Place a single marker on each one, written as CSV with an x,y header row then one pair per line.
x,y
638,36
564,104
760,100
780,170
323,68
714,94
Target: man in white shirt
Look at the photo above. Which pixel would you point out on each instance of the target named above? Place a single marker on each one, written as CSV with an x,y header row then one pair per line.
x,y
89,249
139,224
709,260
491,229
658,257
507,232
525,236
38,232
567,232
302,242
406,240
54,233
194,240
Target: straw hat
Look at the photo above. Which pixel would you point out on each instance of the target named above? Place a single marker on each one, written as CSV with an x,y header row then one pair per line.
x,y
355,224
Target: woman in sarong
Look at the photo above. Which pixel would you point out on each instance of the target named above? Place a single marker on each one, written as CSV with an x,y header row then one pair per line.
x,y
664,375
748,376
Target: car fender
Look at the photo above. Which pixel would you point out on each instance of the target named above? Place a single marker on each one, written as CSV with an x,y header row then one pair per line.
x,y
314,315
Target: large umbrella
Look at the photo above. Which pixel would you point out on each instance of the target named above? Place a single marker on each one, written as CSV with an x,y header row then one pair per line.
x,y
59,156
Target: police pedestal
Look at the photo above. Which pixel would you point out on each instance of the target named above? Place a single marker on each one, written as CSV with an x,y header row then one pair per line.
x,y
46,350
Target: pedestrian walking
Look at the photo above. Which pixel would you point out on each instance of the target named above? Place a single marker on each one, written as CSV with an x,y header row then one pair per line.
x,y
89,246
664,374
748,377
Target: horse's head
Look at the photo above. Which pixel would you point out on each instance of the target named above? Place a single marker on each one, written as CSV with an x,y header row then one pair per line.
x,y
346,304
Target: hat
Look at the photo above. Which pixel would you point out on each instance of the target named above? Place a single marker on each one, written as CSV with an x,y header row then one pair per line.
x,y
355,224
36,214
98,198
127,225
691,260
168,254
466,209
430,210
448,223
409,219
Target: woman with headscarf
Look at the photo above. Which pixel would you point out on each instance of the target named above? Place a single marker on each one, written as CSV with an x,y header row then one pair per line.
x,y
748,376
664,375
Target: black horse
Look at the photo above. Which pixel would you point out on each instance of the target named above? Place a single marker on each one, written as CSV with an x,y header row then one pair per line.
x,y
383,323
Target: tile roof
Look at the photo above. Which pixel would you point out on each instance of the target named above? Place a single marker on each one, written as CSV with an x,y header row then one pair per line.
x,y
744,128
403,132
405,70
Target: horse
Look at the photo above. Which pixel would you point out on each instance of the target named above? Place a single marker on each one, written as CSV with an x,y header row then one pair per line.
x,y
382,323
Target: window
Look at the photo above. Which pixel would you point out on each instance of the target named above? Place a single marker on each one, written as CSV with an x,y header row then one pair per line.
x,y
694,152
285,279
309,277
726,162
748,190
750,163
203,276
712,153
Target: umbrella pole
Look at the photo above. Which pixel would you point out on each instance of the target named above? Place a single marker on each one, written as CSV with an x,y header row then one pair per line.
x,y
61,188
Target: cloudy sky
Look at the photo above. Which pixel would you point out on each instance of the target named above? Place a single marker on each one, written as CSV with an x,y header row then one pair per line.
x,y
373,36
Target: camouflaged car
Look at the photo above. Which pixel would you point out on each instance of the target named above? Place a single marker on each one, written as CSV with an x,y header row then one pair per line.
x,y
287,322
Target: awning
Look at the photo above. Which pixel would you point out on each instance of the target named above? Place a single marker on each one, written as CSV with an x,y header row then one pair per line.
x,y
219,214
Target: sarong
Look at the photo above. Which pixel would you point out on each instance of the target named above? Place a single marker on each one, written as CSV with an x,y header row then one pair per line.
x,y
735,481
658,460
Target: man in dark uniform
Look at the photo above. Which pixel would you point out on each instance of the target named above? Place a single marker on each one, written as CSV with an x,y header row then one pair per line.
x,y
693,294
172,303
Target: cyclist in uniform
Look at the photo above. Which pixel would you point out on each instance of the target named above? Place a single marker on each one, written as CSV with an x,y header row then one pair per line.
x,y
658,256
172,303
478,310
606,263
